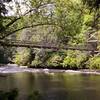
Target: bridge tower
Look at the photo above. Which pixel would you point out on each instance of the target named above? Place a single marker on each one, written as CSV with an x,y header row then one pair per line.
x,y
92,41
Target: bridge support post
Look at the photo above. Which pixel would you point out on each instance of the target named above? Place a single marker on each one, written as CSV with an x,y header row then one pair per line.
x,y
93,46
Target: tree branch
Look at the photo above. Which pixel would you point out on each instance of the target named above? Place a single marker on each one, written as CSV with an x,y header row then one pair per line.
x,y
16,19
25,27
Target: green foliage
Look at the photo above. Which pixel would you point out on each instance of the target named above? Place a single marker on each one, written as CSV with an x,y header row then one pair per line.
x,y
92,4
58,22
22,57
94,62
88,18
74,59
70,62
69,18
36,63
40,57
55,60
6,54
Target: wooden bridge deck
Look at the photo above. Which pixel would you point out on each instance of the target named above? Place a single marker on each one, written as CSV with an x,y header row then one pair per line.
x,y
19,43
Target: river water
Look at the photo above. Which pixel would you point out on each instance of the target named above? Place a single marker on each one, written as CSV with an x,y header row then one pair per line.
x,y
54,85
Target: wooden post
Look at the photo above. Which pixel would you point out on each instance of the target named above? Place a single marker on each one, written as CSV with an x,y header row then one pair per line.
x,y
93,45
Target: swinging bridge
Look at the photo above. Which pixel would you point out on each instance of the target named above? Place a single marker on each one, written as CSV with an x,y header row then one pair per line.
x,y
89,46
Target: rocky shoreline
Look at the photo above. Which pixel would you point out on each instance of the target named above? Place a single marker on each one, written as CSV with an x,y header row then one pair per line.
x,y
16,69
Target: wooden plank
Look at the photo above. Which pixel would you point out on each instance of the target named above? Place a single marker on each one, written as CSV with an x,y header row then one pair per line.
x,y
18,43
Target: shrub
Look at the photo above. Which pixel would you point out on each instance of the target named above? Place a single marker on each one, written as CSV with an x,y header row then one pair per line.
x,y
94,62
74,59
55,60
22,57
36,63
69,62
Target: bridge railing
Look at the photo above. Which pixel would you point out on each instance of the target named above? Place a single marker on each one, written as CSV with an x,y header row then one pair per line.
x,y
21,43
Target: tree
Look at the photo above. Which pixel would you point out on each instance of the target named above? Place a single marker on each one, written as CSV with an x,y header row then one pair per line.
x,y
30,18
3,10
5,52
92,4
45,12
94,7
56,22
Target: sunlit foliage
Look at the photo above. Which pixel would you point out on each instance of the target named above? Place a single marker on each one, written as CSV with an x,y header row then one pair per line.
x,y
51,22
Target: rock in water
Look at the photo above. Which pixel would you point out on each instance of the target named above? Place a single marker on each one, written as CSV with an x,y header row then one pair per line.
x,y
23,66
12,65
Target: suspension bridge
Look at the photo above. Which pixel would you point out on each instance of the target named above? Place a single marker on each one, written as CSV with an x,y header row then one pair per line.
x,y
90,46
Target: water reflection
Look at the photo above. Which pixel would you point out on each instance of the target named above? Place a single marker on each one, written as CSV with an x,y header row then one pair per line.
x,y
10,95
56,86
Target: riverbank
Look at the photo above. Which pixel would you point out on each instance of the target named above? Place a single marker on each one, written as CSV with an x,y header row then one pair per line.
x,y
16,69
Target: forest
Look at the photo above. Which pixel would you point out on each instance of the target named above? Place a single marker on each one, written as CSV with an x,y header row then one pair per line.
x,y
51,23
49,49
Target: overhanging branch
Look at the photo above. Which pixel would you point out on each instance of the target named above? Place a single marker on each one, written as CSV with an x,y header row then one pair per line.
x,y
25,27
33,10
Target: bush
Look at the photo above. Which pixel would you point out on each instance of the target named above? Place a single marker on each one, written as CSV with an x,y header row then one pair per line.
x,y
54,61
36,63
94,62
69,62
74,59
22,57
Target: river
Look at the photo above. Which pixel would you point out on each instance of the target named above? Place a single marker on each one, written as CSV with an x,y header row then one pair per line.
x,y
53,85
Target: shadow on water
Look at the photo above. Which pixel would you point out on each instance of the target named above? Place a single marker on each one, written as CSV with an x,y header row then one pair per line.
x,y
56,95
11,95
35,95
50,86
